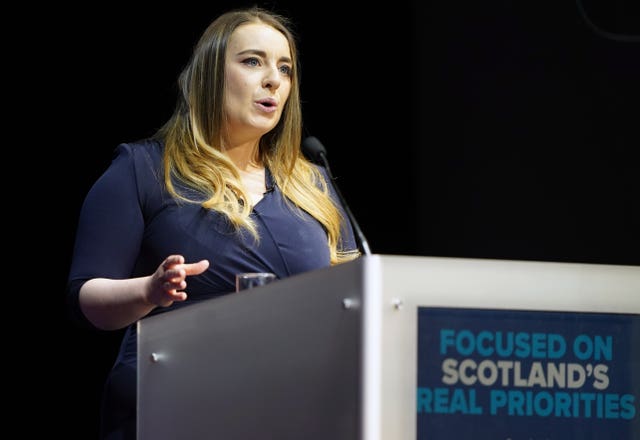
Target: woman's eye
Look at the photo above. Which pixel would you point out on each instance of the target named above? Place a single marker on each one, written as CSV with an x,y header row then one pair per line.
x,y
285,70
251,62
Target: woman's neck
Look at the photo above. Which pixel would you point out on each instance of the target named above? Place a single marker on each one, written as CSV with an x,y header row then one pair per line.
x,y
253,179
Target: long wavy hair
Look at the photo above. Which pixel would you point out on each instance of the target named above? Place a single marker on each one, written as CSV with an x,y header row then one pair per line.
x,y
193,136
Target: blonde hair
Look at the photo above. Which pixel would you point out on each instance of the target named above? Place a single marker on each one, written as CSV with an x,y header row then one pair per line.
x,y
193,136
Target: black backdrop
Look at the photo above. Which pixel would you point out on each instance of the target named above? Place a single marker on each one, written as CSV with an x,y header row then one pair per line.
x,y
469,129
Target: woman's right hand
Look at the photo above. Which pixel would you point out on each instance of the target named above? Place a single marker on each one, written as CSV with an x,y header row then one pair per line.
x,y
168,282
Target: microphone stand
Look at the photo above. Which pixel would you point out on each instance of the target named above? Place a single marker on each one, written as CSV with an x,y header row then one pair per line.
x,y
360,238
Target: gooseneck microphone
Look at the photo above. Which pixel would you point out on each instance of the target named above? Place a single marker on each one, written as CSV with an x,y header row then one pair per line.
x,y
313,150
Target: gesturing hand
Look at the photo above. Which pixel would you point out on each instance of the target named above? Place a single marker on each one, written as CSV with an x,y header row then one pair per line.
x,y
168,282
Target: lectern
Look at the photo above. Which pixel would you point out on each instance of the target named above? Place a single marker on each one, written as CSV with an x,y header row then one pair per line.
x,y
392,347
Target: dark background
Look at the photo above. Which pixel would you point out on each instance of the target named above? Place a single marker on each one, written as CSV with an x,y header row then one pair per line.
x,y
492,129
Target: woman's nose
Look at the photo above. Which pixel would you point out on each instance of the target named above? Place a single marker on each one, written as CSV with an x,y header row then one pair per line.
x,y
272,78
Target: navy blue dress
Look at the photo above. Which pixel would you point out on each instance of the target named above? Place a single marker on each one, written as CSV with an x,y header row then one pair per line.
x,y
129,224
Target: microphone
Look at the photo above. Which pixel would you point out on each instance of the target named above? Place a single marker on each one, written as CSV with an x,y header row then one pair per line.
x,y
313,150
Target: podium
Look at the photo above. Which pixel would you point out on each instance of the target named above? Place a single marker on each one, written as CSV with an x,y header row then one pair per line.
x,y
392,347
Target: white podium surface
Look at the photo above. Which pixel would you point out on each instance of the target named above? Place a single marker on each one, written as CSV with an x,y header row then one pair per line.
x,y
333,353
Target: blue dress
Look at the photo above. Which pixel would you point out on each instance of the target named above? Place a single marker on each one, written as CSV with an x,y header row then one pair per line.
x,y
129,224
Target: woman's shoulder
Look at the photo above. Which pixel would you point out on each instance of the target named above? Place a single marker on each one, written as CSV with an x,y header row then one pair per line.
x,y
141,149
141,158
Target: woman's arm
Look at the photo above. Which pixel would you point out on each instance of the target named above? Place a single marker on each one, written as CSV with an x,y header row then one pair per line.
x,y
112,304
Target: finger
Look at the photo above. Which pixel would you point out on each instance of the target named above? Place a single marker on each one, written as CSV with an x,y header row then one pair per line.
x,y
172,260
179,296
172,286
175,275
196,268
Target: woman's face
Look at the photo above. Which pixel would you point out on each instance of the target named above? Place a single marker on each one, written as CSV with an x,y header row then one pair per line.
x,y
258,80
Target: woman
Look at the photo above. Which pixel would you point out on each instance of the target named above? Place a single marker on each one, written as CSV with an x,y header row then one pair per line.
x,y
222,188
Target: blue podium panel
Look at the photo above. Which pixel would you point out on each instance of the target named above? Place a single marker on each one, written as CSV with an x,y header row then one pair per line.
x,y
527,374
